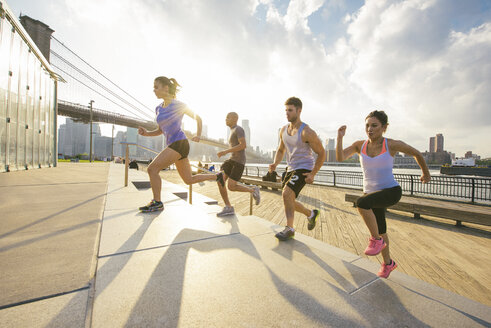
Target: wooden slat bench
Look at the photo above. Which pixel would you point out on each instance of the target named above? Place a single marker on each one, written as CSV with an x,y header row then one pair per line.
x,y
263,184
448,210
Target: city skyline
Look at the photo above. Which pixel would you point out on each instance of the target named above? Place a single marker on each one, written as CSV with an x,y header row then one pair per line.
x,y
342,58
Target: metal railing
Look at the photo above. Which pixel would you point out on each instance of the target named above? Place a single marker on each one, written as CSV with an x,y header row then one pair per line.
x,y
475,190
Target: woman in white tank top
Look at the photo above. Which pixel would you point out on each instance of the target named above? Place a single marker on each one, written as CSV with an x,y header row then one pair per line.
x,y
380,188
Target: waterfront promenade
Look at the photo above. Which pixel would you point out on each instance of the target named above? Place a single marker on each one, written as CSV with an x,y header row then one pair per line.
x,y
431,249
81,256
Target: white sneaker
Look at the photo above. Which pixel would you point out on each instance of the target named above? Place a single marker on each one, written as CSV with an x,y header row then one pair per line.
x,y
227,210
256,195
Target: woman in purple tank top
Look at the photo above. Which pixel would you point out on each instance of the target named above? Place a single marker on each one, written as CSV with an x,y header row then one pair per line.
x,y
169,116
380,188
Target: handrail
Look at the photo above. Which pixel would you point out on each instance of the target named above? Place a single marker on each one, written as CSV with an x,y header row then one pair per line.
x,y
475,190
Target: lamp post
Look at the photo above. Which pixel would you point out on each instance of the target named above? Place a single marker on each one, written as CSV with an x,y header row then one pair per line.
x,y
90,153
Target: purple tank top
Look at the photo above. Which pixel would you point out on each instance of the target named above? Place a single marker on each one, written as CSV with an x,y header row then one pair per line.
x,y
169,120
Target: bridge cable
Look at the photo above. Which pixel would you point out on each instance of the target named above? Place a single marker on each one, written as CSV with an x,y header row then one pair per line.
x,y
98,71
137,116
98,84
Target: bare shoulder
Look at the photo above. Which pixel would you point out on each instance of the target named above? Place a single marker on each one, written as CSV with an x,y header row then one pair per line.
x,y
358,144
308,132
282,130
395,144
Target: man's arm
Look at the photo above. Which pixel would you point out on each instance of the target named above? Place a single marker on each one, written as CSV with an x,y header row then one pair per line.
x,y
315,143
242,145
280,152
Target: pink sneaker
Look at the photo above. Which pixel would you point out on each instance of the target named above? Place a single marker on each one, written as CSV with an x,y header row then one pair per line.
x,y
386,269
375,246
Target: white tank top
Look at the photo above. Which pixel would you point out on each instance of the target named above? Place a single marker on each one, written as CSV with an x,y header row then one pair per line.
x,y
377,171
298,153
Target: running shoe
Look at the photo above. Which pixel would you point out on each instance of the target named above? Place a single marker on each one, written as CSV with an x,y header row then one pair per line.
x,y
375,246
313,220
256,195
152,207
227,210
220,179
286,234
386,269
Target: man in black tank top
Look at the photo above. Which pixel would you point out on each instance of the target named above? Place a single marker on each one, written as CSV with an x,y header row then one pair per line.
x,y
301,166
233,168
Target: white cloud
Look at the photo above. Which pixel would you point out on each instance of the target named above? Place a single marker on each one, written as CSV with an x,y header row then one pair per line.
x,y
408,57
437,80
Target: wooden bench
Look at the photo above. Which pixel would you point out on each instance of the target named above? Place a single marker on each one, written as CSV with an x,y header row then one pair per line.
x,y
263,184
459,212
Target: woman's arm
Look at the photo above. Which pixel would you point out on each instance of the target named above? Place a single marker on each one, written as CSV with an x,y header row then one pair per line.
x,y
199,123
144,132
397,145
342,154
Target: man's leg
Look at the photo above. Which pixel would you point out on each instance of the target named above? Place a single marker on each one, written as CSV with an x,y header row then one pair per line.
x,y
223,191
302,209
234,186
289,203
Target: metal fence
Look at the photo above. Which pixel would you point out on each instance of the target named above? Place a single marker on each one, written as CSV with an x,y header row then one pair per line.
x,y
475,190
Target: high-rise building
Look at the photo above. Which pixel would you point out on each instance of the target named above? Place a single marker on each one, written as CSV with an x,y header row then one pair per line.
x,y
74,137
331,155
330,144
432,145
204,131
247,132
132,137
439,143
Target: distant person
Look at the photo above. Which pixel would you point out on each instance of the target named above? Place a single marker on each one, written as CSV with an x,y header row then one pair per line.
x,y
169,118
233,167
205,167
212,168
380,188
298,140
200,165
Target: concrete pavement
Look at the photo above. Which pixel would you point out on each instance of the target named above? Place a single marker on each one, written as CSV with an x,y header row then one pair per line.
x,y
184,267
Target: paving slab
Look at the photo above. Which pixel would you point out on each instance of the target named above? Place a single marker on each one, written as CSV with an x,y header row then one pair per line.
x,y
129,230
48,246
184,267
62,311
236,280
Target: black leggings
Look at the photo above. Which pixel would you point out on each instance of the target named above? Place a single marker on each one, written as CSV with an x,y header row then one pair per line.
x,y
378,202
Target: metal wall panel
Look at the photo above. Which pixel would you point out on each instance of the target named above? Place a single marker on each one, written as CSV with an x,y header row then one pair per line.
x,y
22,106
13,98
5,36
27,99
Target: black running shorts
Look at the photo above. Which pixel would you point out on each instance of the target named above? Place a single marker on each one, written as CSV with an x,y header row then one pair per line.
x,y
378,202
182,147
233,169
294,179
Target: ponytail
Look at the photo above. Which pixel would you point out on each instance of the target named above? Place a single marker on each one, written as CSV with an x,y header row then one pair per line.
x,y
172,83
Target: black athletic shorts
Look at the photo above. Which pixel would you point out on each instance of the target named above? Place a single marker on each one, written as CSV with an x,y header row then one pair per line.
x,y
294,179
182,147
233,169
378,202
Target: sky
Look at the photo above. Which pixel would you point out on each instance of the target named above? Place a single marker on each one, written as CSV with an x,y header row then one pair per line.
x,y
426,63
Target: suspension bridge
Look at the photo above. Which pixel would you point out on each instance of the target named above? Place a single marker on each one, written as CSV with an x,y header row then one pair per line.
x,y
83,83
